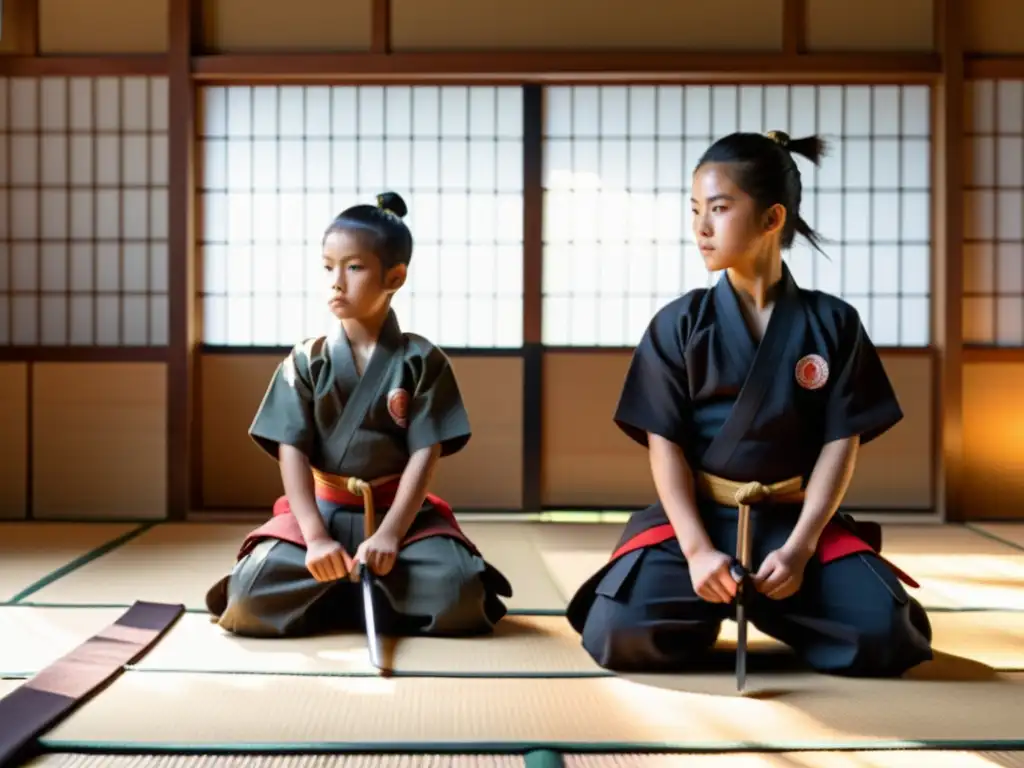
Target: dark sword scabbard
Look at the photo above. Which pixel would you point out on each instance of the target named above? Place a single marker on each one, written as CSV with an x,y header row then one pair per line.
x,y
370,619
740,571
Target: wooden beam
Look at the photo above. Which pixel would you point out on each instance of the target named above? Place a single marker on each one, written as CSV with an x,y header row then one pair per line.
x,y
84,66
380,32
570,66
184,18
83,354
794,27
30,39
994,67
533,213
993,355
533,293
506,67
948,223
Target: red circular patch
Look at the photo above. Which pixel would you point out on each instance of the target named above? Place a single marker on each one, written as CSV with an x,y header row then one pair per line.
x,y
812,372
398,406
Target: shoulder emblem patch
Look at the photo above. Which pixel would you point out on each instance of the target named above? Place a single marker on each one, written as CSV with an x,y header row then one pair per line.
x,y
812,372
398,407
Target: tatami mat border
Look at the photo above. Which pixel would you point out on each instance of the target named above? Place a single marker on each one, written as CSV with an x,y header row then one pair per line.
x,y
537,759
993,537
80,561
511,611
523,748
433,675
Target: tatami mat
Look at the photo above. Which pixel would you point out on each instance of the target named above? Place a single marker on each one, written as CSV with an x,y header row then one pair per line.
x,y
178,562
957,567
512,549
993,639
1010,532
173,563
31,551
889,759
31,638
325,695
142,710
66,760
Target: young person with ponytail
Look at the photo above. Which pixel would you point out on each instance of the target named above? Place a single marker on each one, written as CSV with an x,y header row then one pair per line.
x,y
754,395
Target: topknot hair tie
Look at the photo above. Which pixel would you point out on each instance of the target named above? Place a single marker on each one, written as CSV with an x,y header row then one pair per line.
x,y
382,207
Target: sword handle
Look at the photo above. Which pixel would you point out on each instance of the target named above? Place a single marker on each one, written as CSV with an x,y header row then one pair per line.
x,y
742,568
364,489
743,537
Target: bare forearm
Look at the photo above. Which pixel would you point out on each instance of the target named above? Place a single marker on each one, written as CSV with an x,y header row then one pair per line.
x,y
412,490
297,477
673,480
825,491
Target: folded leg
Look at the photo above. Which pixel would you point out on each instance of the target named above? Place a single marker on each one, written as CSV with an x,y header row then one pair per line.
x,y
646,617
439,587
271,593
852,617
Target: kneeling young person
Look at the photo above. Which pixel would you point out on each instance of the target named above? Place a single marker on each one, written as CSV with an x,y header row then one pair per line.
x,y
755,388
361,414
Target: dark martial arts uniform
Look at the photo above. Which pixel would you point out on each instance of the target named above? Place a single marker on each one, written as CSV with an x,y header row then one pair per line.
x,y
744,413
364,428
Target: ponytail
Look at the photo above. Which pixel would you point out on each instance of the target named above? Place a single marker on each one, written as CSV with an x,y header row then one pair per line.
x,y
813,148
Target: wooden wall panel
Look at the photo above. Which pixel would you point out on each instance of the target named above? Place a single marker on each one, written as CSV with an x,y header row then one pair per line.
x,y
993,418
489,471
237,475
13,440
99,441
870,25
753,25
895,471
994,27
260,26
19,27
588,462
102,26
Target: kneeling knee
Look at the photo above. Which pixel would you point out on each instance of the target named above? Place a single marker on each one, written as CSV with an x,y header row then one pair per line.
x,y
622,638
257,609
886,646
244,617
607,631
461,609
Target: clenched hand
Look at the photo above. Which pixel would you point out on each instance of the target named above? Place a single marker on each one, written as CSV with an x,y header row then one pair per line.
x,y
709,574
781,574
379,552
325,559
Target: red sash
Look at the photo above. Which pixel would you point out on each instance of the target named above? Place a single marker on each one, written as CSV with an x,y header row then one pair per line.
x,y
284,526
836,542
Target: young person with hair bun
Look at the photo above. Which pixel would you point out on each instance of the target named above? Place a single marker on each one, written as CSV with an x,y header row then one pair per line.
x,y
357,420
753,395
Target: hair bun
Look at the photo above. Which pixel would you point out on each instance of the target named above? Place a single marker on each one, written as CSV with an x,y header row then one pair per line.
x,y
392,202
